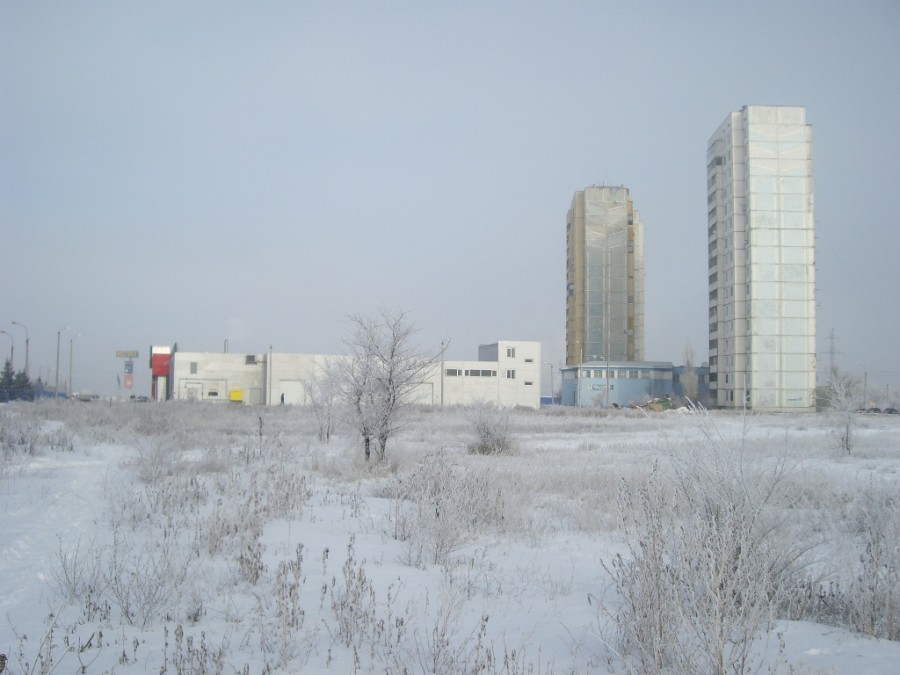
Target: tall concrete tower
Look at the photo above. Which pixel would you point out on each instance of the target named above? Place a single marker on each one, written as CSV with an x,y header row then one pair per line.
x,y
762,309
604,277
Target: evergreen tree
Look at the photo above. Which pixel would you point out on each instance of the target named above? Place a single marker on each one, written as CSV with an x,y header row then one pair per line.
x,y
23,390
7,382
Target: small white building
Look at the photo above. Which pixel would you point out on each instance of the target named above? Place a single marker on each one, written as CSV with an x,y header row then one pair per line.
x,y
507,373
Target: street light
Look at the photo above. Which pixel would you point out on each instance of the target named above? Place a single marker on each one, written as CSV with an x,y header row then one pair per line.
x,y
16,323
58,335
12,347
69,384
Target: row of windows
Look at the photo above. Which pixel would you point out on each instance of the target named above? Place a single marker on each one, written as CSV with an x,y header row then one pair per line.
x,y
620,374
459,372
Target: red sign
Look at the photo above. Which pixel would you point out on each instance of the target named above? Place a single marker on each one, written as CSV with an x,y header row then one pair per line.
x,y
160,364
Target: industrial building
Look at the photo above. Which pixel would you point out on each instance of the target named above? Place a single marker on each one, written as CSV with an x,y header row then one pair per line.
x,y
762,310
507,373
615,384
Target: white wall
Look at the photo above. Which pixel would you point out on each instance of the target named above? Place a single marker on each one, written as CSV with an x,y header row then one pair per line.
x,y
515,378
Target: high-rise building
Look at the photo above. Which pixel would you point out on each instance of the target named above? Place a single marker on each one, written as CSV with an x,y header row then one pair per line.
x,y
605,277
762,309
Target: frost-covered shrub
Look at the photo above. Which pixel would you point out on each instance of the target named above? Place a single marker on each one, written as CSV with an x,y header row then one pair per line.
x,y
19,435
490,424
873,591
710,559
80,579
863,591
145,577
439,507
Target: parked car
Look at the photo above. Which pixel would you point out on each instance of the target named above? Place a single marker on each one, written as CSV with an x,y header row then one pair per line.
x,y
890,411
85,396
874,410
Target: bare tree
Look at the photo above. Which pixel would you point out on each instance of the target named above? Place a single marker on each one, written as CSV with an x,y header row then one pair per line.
x,y
323,390
844,399
381,375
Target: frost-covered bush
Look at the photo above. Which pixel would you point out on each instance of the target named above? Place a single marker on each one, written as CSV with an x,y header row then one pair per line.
x,y
710,558
490,424
862,589
439,506
19,435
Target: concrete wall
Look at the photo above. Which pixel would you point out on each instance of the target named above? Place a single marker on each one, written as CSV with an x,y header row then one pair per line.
x,y
206,376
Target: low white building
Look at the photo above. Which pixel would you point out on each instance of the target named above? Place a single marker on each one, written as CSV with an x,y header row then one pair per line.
x,y
507,373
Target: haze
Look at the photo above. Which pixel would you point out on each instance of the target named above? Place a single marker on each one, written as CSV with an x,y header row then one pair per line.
x,y
256,172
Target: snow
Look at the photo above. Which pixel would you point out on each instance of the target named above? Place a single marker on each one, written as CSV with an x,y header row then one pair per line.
x,y
288,547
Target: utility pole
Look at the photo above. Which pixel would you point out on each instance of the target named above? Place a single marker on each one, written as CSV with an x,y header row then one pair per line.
x,y
56,385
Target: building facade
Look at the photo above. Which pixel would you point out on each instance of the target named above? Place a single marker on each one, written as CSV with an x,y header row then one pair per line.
x,y
762,321
604,277
615,384
507,373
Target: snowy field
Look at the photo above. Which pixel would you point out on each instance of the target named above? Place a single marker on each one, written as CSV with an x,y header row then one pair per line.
x,y
195,538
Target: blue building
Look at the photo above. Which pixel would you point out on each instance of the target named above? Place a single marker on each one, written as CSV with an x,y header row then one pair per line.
x,y
611,384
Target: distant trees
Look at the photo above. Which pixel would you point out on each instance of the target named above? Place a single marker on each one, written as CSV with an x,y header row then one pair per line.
x,y
15,386
380,374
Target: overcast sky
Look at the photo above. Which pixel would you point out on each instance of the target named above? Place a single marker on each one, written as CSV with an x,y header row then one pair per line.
x,y
197,172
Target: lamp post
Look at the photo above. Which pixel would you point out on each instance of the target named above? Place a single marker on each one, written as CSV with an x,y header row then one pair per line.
x,y
16,323
12,347
56,386
69,383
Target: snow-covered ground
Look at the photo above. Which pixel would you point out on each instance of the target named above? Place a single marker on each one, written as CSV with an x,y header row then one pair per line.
x,y
199,539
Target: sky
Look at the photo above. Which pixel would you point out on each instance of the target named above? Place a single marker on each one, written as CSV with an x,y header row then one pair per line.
x,y
203,172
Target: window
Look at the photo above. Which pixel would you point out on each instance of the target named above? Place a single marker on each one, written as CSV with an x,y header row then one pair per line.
x,y
511,352
528,384
193,367
510,374
529,360
453,372
250,360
